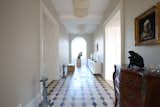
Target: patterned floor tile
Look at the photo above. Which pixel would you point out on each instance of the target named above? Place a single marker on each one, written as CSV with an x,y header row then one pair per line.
x,y
82,89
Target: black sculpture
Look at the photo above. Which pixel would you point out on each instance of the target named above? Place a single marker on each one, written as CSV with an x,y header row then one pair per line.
x,y
135,60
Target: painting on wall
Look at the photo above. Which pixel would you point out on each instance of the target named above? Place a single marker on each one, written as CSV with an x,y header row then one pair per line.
x,y
147,27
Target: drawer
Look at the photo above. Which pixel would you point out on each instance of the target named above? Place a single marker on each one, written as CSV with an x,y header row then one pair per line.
x,y
131,80
130,98
126,103
128,92
131,85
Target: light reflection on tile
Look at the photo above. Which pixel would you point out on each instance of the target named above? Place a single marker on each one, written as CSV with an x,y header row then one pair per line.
x,y
82,89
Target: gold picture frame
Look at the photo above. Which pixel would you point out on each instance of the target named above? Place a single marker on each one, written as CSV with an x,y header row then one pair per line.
x,y
147,27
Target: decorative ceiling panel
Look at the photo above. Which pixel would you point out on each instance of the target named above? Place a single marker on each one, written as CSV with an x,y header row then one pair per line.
x,y
89,12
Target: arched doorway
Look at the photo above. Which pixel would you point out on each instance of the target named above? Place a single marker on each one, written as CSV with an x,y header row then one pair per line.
x,y
78,45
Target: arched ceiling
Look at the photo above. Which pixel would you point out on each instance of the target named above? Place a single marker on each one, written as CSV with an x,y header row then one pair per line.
x,y
90,16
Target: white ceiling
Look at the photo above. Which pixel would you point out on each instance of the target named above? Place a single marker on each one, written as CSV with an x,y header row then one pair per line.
x,y
72,23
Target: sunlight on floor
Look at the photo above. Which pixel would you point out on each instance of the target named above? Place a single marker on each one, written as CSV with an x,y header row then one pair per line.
x,y
82,89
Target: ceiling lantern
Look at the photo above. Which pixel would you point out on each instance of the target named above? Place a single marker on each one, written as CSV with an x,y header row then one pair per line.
x,y
81,7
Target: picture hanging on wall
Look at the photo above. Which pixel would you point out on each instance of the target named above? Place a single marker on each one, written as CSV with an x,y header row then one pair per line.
x,y
147,27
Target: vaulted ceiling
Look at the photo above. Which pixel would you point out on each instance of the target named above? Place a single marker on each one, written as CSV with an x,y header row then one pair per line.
x,y
80,16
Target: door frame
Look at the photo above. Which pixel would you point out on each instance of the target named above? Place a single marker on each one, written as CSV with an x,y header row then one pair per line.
x,y
119,7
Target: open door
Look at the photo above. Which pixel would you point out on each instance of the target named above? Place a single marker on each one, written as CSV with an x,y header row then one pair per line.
x,y
112,46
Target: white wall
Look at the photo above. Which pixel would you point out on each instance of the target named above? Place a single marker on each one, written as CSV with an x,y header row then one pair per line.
x,y
54,43
99,39
63,48
49,40
134,8
130,10
19,51
99,35
112,45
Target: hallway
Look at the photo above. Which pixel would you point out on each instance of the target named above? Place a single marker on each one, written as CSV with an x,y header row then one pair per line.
x,y
36,43
82,89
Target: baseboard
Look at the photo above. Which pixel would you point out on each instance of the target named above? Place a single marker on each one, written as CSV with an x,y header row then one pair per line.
x,y
35,102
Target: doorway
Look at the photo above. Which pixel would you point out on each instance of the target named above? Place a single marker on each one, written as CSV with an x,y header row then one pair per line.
x,y
112,46
78,45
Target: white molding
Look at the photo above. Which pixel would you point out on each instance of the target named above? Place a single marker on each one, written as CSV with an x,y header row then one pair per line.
x,y
91,16
117,8
35,101
45,9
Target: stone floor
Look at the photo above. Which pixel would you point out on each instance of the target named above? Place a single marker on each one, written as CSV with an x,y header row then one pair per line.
x,y
82,89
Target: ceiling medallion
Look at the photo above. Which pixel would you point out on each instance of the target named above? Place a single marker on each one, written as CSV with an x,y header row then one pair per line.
x,y
81,7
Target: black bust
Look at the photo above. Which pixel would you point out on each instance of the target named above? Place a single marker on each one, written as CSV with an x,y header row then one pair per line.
x,y
135,60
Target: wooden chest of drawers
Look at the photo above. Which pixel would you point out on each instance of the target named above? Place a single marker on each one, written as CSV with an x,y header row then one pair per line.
x,y
130,90
136,88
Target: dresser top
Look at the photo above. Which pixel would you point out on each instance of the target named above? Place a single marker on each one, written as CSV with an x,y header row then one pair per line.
x,y
141,71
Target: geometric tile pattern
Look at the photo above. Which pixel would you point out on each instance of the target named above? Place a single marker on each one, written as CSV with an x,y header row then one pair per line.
x,y
51,86
82,89
107,87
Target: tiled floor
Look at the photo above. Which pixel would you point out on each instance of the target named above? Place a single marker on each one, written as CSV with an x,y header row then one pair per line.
x,y
82,89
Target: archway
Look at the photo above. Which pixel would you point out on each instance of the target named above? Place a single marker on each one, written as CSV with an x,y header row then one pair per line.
x,y
78,45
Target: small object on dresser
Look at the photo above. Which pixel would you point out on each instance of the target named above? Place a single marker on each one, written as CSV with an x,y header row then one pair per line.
x,y
135,60
158,69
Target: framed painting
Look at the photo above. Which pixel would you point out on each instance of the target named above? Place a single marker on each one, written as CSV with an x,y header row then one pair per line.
x,y
147,27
